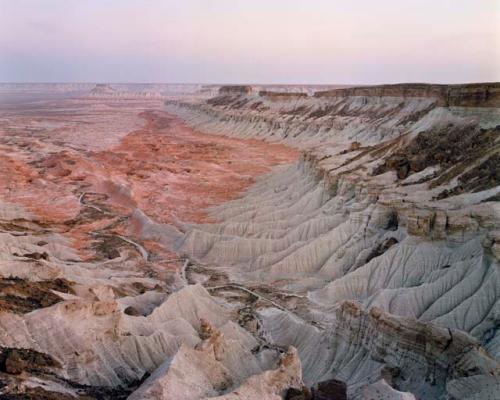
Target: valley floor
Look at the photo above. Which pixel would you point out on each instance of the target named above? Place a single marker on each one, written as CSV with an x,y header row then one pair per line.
x,y
74,173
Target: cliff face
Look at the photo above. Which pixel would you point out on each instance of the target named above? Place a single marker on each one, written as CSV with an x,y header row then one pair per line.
x,y
281,96
463,95
468,95
392,209
235,90
104,91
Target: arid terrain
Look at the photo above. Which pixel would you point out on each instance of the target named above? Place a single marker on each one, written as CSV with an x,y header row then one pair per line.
x,y
186,242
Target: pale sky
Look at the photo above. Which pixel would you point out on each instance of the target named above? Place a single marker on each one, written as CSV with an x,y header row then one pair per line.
x,y
250,41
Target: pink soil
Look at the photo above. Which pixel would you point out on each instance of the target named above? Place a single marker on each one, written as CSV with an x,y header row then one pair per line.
x,y
168,170
174,171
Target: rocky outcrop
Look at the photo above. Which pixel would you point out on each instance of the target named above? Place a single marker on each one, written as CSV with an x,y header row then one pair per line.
x,y
220,368
331,389
21,296
235,90
15,361
102,89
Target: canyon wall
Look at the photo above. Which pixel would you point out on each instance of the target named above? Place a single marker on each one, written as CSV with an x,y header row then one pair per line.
x,y
392,211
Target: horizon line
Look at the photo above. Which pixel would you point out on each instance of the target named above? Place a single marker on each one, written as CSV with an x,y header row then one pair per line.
x,y
244,83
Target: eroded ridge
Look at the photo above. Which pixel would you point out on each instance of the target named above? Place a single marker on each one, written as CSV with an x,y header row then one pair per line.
x,y
175,264
393,210
88,307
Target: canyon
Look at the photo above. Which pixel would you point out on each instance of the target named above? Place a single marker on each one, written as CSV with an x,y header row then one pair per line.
x,y
249,241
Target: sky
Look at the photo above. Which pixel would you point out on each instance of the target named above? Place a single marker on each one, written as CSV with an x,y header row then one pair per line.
x,y
250,41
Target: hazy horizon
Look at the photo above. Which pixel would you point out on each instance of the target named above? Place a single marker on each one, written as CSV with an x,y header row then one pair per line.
x,y
259,42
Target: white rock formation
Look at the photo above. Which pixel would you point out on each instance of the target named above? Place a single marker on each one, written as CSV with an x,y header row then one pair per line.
x,y
348,223
373,260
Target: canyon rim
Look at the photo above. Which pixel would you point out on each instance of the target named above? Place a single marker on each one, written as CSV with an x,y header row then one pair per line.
x,y
254,241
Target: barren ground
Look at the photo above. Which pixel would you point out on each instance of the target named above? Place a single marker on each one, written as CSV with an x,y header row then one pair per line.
x,y
61,158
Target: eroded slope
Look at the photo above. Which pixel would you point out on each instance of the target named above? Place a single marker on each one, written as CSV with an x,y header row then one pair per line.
x,y
394,206
87,308
366,269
